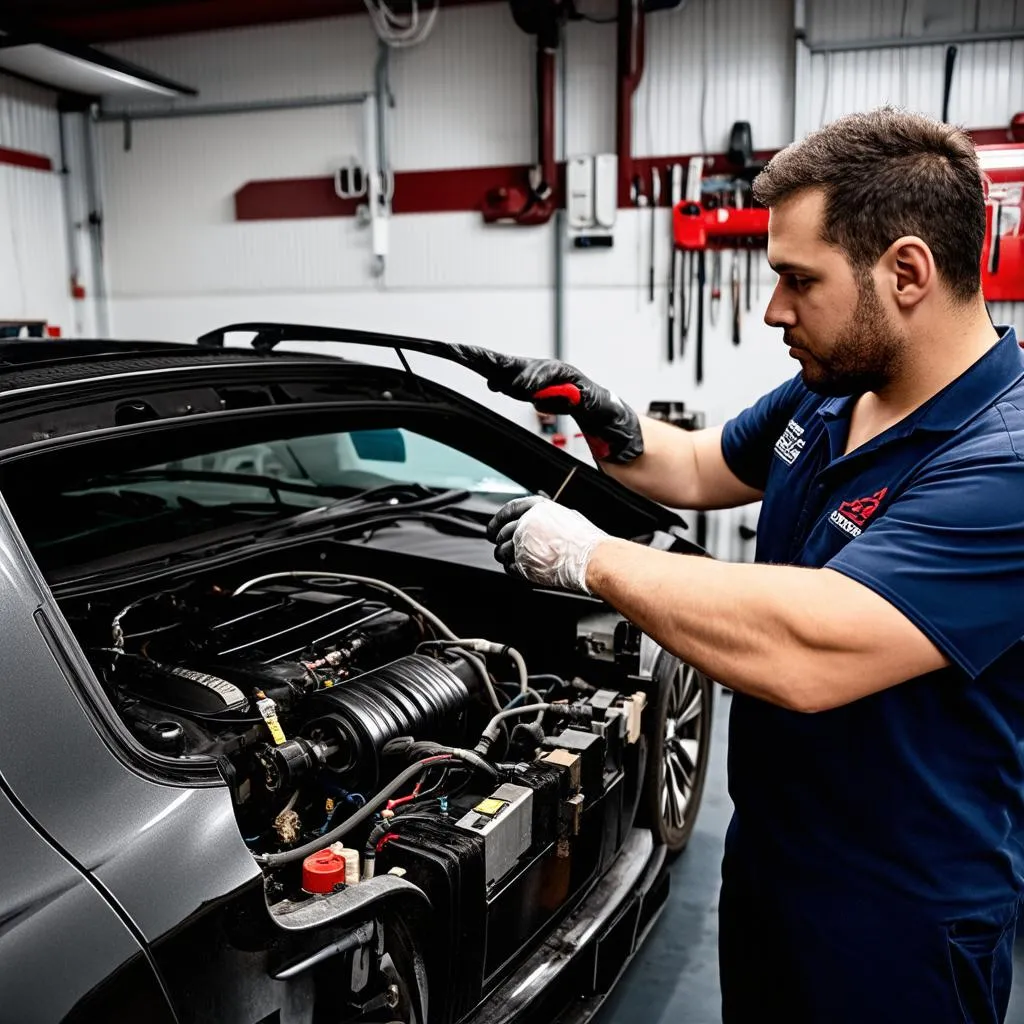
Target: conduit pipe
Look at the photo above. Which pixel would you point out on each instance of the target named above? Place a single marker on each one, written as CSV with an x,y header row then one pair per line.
x,y
630,62
535,202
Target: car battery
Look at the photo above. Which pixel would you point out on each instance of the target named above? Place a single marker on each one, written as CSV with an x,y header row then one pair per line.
x,y
504,821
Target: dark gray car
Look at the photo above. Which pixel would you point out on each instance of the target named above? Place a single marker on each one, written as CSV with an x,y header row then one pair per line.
x,y
279,741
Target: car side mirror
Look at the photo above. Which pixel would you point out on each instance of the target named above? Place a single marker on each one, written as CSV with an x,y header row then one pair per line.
x,y
379,445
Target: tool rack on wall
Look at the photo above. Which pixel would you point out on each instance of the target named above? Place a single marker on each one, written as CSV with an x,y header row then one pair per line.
x,y
1002,259
718,216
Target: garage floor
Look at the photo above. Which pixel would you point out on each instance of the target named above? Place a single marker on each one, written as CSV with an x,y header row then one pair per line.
x,y
674,979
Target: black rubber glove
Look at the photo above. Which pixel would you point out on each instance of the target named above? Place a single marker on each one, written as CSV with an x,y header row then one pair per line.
x,y
611,428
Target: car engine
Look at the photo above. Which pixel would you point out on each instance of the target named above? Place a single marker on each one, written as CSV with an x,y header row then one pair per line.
x,y
360,738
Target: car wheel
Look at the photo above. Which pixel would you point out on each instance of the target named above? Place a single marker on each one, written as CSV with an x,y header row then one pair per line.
x,y
403,975
679,742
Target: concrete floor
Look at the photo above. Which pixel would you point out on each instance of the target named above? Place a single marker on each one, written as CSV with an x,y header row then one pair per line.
x,y
674,978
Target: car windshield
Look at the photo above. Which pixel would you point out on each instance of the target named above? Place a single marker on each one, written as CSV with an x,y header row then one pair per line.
x,y
302,470
115,509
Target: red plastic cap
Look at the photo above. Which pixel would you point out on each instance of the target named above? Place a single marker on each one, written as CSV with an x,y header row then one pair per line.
x,y
322,871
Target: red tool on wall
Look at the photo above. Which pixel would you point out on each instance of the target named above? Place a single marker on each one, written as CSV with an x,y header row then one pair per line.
x,y
1002,259
697,229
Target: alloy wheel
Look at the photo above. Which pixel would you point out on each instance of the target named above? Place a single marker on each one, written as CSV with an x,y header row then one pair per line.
x,y
685,733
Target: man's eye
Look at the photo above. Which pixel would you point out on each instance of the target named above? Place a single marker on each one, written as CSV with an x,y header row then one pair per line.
x,y
800,282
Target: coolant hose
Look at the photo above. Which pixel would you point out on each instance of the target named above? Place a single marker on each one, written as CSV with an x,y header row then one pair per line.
x,y
277,860
367,811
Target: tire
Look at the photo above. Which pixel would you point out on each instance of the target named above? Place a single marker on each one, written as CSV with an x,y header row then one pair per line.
x,y
678,746
403,964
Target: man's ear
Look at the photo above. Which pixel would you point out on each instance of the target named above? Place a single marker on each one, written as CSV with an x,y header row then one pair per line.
x,y
909,268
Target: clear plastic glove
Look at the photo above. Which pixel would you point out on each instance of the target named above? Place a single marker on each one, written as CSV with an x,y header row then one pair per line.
x,y
547,543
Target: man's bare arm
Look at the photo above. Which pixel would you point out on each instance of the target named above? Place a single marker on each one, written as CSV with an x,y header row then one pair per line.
x,y
683,469
805,639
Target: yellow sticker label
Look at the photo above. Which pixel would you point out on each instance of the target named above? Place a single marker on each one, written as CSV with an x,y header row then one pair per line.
x,y
268,709
490,807
275,730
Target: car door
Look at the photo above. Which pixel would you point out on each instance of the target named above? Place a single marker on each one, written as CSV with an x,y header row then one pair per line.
x,y
97,860
66,954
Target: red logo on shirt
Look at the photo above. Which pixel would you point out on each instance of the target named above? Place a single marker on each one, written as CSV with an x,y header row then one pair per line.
x,y
851,516
861,510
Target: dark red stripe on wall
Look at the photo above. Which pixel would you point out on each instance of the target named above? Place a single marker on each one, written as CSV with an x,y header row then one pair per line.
x,y
21,158
452,190
444,191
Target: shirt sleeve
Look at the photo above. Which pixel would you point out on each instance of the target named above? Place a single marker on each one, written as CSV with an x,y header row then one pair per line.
x,y
748,439
949,554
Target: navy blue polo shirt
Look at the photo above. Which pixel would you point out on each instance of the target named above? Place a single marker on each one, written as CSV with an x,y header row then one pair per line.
x,y
918,789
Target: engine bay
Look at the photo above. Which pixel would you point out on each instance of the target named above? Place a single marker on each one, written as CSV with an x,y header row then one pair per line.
x,y
359,735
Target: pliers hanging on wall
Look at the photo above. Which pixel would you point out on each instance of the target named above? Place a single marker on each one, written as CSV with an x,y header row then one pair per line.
x,y
716,286
734,285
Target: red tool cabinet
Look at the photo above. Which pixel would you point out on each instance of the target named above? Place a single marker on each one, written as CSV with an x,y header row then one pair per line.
x,y
1002,263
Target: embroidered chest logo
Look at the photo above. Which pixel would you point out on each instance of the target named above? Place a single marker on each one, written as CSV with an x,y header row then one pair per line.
x,y
791,443
852,516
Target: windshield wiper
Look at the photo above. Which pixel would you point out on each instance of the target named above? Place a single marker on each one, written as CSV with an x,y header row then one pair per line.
x,y
271,483
348,514
367,504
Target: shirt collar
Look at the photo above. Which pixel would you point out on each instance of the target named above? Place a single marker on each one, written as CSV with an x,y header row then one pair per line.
x,y
978,386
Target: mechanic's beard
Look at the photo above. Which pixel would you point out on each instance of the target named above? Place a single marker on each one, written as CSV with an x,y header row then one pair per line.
x,y
864,356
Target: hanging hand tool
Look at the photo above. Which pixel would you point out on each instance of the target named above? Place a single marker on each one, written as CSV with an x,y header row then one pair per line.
x,y
716,285
692,195
655,198
675,195
686,299
734,287
749,275
997,231
701,280
636,192
686,288
948,85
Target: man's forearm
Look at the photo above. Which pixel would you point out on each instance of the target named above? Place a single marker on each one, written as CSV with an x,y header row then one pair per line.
x,y
667,470
805,639
683,469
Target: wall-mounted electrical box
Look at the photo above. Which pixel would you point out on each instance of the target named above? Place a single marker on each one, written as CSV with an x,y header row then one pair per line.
x,y
606,189
579,192
591,195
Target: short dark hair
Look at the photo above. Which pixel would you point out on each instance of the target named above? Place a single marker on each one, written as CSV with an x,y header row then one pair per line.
x,y
888,173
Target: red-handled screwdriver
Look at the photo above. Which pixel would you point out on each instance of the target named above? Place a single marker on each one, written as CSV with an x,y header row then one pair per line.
x,y
569,392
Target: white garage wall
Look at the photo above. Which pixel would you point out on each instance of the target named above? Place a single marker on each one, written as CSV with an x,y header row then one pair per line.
x,y
988,81
33,248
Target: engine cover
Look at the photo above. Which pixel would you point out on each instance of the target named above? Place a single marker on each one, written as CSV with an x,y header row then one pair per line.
x,y
412,696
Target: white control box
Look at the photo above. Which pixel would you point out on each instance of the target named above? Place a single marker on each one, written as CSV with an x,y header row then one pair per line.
x,y
592,193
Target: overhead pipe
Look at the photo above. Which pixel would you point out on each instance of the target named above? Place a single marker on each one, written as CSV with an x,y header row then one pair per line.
x,y
546,118
535,202
630,63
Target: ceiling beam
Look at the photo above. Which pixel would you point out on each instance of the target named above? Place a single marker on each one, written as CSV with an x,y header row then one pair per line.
x,y
144,20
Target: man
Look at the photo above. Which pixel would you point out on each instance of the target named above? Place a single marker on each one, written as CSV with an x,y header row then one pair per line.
x,y
875,860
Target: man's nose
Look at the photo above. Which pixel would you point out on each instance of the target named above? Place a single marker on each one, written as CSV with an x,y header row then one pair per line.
x,y
779,312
